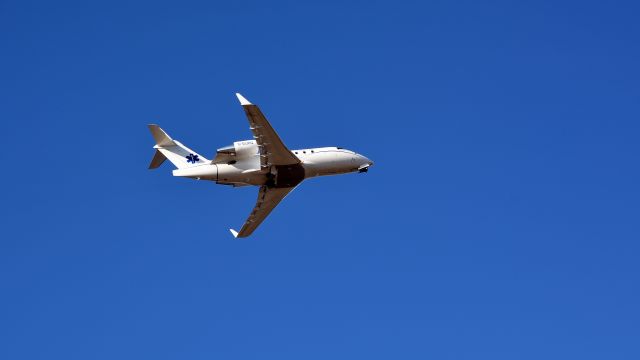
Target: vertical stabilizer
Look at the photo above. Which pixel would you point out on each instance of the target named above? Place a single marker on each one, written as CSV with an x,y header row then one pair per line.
x,y
167,148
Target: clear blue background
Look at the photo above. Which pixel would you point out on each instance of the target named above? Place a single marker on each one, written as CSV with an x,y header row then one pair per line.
x,y
500,221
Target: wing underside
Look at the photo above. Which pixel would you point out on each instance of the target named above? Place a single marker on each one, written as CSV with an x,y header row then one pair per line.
x,y
272,150
268,199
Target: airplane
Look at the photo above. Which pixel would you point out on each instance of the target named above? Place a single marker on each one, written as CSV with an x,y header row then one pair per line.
x,y
264,161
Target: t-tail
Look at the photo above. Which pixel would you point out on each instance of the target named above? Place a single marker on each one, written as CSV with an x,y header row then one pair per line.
x,y
167,148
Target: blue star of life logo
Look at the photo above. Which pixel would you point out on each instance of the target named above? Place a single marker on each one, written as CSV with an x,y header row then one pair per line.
x,y
192,158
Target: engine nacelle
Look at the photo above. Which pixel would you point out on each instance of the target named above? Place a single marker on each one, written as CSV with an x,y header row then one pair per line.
x,y
245,148
239,149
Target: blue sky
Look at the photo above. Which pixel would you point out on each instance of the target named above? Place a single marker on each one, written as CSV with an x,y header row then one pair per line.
x,y
500,220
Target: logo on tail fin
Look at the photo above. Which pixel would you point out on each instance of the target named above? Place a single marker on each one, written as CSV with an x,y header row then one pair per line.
x,y
192,158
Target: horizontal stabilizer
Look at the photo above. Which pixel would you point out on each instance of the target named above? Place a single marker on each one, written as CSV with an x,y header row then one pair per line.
x,y
158,159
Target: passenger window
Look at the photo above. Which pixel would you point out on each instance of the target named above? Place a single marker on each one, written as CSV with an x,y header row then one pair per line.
x,y
304,152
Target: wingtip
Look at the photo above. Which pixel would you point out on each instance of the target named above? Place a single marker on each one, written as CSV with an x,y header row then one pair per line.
x,y
243,100
234,233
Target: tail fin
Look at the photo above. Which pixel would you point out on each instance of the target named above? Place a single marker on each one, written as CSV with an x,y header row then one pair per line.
x,y
167,148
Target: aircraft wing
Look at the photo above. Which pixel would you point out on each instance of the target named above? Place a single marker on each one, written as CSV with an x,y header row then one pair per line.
x,y
272,149
268,199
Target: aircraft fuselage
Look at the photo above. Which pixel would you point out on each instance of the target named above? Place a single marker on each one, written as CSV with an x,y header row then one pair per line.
x,y
246,170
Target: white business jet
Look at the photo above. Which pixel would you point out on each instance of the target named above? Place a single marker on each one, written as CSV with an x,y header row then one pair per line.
x,y
264,161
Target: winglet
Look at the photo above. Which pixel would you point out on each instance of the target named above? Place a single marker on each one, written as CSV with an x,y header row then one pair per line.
x,y
234,233
243,101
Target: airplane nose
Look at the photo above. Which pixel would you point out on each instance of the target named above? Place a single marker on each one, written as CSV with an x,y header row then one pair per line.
x,y
366,163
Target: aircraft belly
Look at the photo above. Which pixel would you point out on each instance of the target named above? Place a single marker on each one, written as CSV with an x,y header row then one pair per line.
x,y
330,165
228,174
282,176
206,172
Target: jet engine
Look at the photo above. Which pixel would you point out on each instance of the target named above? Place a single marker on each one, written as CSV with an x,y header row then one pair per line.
x,y
238,151
246,148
